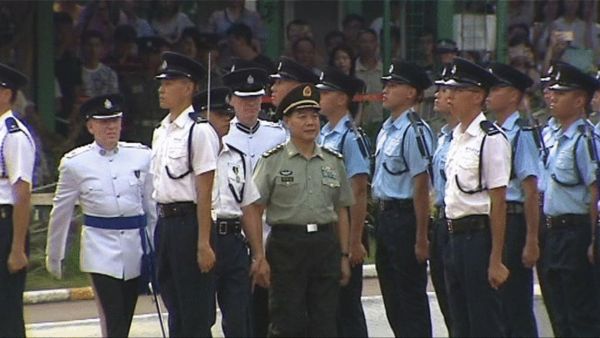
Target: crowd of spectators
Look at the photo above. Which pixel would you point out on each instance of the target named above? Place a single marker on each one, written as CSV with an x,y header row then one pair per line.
x,y
108,46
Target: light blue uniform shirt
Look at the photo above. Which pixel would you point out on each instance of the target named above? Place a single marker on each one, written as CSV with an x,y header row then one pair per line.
x,y
548,136
439,164
525,157
398,159
560,199
355,161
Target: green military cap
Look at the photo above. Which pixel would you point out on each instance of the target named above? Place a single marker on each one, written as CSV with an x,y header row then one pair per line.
x,y
301,97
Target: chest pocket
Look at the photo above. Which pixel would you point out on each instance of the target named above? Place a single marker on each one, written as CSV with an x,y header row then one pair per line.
x,y
470,171
566,171
394,161
288,191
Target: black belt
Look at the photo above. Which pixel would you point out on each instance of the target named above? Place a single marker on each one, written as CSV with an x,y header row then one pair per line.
x,y
228,226
395,204
514,208
6,211
439,212
176,209
468,223
566,220
303,228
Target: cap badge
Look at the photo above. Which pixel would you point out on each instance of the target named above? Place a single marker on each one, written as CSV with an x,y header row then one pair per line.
x,y
453,70
232,68
250,79
108,104
550,70
279,66
163,65
557,76
321,76
307,92
391,68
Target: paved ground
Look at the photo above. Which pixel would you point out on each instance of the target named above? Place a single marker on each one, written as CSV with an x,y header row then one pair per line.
x,y
78,319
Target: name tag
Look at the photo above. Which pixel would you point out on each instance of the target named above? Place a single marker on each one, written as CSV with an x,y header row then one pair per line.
x,y
311,227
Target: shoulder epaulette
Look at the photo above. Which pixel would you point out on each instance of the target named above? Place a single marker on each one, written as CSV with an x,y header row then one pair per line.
x,y
271,124
135,145
273,150
78,151
333,152
197,118
489,127
11,125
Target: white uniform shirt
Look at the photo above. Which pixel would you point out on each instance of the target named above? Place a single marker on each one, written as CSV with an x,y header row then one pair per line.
x,y
257,140
234,176
106,184
17,156
170,148
463,164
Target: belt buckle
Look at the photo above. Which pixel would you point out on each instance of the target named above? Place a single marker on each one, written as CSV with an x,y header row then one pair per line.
x,y
450,227
3,214
549,222
312,227
222,228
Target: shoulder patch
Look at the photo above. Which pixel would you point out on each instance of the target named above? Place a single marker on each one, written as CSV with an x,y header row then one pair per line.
x,y
78,151
273,150
333,152
11,125
490,128
135,145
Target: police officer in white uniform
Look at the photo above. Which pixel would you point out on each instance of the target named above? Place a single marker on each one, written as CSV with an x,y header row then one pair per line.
x,y
110,181
184,158
234,192
477,172
254,137
17,152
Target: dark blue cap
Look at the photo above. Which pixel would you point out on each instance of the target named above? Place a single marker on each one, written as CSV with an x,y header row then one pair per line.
x,y
569,77
334,79
445,46
465,73
175,65
408,73
247,82
445,76
219,101
510,76
304,96
11,78
103,107
291,70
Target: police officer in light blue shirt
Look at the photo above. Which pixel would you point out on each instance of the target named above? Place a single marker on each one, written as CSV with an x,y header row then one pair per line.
x,y
401,185
570,201
340,134
522,220
438,233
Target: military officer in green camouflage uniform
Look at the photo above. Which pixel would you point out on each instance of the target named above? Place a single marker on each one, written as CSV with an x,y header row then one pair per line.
x,y
306,193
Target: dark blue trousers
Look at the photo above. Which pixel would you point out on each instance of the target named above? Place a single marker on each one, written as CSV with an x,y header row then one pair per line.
x,y
402,279
233,284
438,244
569,281
351,316
11,286
187,292
517,292
475,307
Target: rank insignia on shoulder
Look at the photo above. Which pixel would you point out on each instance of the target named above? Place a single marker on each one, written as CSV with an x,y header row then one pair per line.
x,y
11,125
333,152
489,128
78,151
273,150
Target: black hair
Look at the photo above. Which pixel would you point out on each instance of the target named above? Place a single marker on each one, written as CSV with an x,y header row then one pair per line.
x,y
332,35
367,31
346,49
305,38
298,22
240,30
